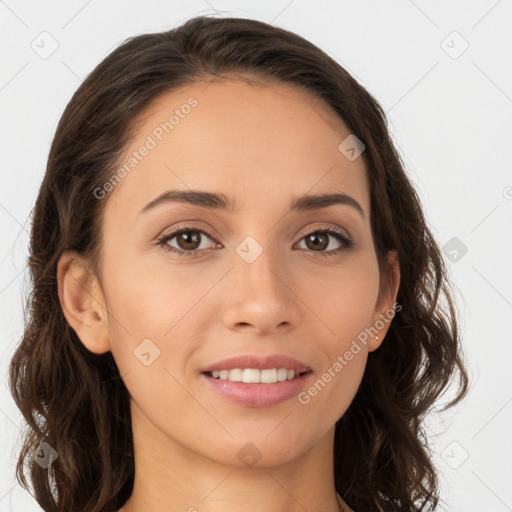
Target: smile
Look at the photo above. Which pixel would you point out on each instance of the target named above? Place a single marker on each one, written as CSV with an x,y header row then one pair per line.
x,y
252,390
256,376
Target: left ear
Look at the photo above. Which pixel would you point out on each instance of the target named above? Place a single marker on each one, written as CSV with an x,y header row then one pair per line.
x,y
385,305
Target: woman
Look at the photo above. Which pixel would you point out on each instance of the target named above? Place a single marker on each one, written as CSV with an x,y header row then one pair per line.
x,y
236,298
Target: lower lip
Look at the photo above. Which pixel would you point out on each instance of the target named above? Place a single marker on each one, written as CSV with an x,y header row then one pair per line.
x,y
258,395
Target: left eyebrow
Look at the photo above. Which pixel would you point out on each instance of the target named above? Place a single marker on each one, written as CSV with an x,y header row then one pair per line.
x,y
316,202
221,202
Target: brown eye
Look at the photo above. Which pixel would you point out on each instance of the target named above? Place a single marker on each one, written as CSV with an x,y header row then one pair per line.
x,y
318,241
188,241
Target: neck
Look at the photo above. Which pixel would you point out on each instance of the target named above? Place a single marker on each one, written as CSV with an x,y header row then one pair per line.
x,y
170,477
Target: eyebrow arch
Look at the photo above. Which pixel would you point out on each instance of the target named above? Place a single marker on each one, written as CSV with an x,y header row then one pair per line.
x,y
221,202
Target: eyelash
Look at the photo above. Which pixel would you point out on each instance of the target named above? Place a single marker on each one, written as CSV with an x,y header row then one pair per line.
x,y
347,243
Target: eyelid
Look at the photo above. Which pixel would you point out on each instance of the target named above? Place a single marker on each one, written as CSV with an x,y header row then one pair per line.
x,y
325,227
332,230
190,225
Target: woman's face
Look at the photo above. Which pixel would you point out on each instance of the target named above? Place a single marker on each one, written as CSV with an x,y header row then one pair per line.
x,y
250,281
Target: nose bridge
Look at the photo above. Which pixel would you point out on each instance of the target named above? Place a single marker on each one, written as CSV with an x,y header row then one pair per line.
x,y
260,295
258,264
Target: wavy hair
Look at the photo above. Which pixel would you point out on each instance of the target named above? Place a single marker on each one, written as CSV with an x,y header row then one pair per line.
x,y
76,401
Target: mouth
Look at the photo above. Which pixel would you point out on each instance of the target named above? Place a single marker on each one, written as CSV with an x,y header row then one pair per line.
x,y
255,375
251,387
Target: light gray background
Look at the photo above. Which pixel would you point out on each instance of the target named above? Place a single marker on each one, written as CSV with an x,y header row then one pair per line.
x,y
451,118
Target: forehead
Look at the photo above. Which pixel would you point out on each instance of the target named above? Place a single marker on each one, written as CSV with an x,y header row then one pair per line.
x,y
260,144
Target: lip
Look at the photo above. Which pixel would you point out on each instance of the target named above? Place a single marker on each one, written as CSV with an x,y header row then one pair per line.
x,y
257,395
259,363
254,394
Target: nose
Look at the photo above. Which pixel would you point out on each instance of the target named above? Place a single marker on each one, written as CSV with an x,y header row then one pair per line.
x,y
262,297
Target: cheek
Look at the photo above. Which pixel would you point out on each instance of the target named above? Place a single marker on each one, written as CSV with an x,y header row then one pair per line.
x,y
344,298
330,393
146,326
156,310
152,301
344,303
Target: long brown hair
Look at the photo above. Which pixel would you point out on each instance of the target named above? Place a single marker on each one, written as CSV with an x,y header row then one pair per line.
x,y
76,401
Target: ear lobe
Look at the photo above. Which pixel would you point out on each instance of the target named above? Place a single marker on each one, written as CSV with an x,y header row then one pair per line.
x,y
385,306
82,302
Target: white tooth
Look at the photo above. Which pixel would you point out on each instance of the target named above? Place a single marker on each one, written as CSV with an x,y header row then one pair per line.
x,y
255,376
282,374
235,375
251,375
268,376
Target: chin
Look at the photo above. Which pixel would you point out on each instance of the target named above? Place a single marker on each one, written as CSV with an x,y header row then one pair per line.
x,y
261,449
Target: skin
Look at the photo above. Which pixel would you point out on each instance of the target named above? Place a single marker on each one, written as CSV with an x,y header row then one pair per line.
x,y
261,145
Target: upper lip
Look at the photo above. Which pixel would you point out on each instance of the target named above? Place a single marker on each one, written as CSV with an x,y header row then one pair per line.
x,y
259,362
